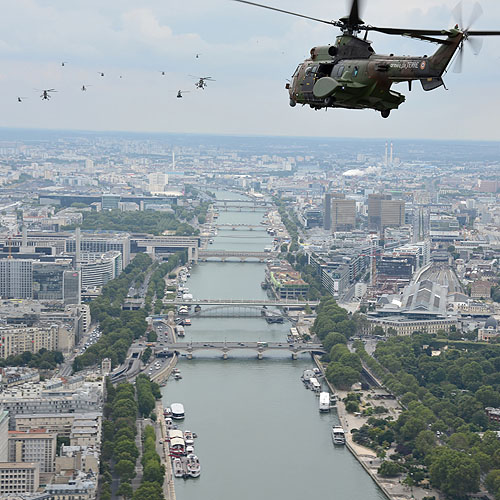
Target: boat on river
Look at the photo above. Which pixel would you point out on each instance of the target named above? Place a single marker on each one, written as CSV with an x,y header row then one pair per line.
x,y
179,470
177,411
193,466
338,435
188,437
324,402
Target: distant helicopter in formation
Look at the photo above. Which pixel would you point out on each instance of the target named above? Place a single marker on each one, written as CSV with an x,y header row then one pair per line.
x,y
180,92
202,81
85,87
350,75
45,95
20,99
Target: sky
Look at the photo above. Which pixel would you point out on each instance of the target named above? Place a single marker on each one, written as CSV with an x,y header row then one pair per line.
x,y
249,52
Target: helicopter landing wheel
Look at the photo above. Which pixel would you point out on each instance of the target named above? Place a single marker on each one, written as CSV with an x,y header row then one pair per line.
x,y
293,103
385,113
329,101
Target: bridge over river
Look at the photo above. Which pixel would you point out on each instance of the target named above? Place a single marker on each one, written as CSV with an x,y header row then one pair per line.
x,y
260,347
243,256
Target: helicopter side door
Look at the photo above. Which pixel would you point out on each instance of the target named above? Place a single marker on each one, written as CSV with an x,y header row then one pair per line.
x,y
307,83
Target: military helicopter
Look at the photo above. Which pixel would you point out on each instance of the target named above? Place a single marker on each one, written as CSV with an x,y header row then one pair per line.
x,y
202,81
45,94
180,92
349,74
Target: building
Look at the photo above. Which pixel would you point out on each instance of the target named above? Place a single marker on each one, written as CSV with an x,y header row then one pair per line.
x,y
489,331
480,290
106,367
343,213
80,488
101,243
16,477
36,446
73,458
86,432
402,325
49,279
286,282
59,423
72,287
20,338
444,228
16,278
99,269
110,201
157,182
384,212
4,433
327,220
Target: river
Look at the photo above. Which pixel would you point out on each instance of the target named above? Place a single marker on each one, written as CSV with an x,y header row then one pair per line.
x,y
260,434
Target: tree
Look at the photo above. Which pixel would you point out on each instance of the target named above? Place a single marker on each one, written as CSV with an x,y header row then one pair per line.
x,y
454,472
154,472
148,491
125,469
389,469
332,339
146,354
125,490
425,442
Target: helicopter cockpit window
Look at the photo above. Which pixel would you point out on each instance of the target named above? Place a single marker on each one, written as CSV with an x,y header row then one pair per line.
x,y
296,72
340,70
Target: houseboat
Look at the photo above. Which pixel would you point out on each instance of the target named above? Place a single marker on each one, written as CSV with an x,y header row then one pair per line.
x,y
338,435
324,401
177,411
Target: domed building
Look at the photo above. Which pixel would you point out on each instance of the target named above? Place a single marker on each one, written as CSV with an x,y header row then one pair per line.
x,y
489,330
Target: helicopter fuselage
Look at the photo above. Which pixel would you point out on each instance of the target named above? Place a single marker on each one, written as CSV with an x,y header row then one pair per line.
x,y
350,75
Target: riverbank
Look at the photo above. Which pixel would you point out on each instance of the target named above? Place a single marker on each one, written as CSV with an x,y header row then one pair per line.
x,y
392,488
168,484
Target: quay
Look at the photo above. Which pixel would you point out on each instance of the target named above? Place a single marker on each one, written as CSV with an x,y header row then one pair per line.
x,y
392,488
168,484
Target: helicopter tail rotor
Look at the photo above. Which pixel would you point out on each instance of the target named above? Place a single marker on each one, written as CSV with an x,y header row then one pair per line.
x,y
476,44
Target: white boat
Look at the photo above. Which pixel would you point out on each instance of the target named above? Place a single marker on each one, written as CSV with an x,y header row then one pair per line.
x,y
180,330
324,401
193,466
307,375
188,437
314,384
177,411
178,468
338,435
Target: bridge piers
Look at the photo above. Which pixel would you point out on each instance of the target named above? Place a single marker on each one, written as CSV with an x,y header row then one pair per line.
x,y
224,354
190,354
260,354
294,355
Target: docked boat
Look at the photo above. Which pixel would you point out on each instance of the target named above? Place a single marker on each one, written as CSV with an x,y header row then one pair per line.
x,y
169,424
179,470
177,411
187,322
307,376
338,435
193,466
180,331
177,376
188,437
324,401
314,384
167,413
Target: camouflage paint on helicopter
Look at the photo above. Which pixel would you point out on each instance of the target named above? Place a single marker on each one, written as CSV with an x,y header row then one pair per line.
x,y
350,75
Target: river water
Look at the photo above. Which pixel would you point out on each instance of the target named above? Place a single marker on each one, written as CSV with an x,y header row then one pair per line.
x,y
260,434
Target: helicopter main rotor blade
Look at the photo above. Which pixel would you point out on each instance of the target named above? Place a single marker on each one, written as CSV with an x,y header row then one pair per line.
x,y
476,44
332,23
477,12
483,33
404,31
458,14
459,62
354,19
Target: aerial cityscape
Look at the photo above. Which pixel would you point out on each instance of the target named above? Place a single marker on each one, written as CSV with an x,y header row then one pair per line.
x,y
195,305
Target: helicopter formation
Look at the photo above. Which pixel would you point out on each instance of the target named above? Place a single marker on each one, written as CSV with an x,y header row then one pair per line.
x,y
46,94
350,75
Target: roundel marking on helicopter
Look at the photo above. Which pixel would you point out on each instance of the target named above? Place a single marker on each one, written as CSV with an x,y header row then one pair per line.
x,y
423,64
325,87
